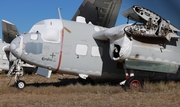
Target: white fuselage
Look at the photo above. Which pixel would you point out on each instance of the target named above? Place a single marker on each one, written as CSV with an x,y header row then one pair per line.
x,y
71,49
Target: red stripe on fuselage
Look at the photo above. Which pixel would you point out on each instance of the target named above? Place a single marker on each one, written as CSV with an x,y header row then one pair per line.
x,y
61,47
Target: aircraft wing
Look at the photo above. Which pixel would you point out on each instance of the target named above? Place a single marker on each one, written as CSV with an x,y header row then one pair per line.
x,y
99,12
9,31
141,14
153,24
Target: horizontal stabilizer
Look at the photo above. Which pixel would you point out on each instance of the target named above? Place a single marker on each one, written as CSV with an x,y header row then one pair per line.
x,y
9,31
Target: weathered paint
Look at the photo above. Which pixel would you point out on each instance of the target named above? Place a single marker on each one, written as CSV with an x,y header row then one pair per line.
x,y
34,48
151,66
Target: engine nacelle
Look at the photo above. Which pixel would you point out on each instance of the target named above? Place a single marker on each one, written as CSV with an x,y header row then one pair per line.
x,y
120,49
120,44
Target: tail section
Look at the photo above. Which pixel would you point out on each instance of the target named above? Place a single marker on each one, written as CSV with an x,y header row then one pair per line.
x,y
9,31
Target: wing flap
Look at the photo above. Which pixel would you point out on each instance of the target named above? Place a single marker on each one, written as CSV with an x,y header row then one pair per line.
x,y
9,31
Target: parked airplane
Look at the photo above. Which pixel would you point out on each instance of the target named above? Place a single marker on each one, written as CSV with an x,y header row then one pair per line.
x,y
4,63
83,48
9,32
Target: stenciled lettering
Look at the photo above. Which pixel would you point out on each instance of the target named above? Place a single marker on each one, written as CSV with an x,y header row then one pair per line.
x,y
48,59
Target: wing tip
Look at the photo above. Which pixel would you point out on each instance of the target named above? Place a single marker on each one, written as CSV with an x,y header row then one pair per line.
x,y
5,21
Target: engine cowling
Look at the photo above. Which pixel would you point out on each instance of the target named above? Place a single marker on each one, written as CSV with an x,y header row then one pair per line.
x,y
120,43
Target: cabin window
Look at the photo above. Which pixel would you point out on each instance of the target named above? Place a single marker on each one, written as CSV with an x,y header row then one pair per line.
x,y
96,51
34,36
4,57
81,49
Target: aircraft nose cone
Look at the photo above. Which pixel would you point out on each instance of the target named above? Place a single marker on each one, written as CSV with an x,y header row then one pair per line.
x,y
12,46
16,46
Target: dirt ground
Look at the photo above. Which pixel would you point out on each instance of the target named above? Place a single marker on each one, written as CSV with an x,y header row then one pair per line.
x,y
66,91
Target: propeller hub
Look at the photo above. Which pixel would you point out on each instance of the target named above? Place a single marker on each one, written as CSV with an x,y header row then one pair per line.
x,y
16,46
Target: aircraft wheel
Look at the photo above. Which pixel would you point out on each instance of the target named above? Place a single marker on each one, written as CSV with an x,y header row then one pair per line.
x,y
134,83
20,84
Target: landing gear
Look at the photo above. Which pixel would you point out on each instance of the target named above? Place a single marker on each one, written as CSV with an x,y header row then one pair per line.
x,y
20,84
17,70
134,83
84,79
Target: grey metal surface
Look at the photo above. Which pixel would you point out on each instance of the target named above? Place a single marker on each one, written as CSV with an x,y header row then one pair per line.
x,y
99,12
9,31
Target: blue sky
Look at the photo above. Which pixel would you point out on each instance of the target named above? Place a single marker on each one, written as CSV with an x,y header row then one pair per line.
x,y
25,13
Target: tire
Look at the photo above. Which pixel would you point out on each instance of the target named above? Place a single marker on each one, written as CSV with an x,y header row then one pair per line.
x,y
134,83
20,84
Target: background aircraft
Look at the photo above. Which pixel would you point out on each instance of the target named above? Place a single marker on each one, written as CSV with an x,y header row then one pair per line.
x,y
4,63
9,32
74,46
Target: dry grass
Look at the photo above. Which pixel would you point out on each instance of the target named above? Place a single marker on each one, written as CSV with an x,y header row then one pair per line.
x,y
67,92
